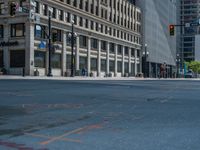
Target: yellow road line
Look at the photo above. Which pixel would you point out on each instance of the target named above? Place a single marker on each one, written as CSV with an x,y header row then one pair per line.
x,y
62,136
48,137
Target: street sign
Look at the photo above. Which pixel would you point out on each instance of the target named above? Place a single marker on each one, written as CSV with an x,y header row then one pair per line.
x,y
193,24
187,25
42,45
25,10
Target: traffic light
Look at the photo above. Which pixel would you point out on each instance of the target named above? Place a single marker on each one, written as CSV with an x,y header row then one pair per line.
x,y
54,37
171,30
13,9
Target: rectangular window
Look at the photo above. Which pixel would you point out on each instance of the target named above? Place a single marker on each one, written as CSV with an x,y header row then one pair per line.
x,y
57,32
1,31
82,62
126,67
103,45
86,23
81,5
40,31
56,61
83,41
54,13
40,59
60,14
81,21
75,3
132,52
68,17
94,43
37,7
112,65
1,8
1,59
112,48
126,51
44,9
119,49
17,30
92,25
97,26
119,66
68,65
17,58
103,65
93,64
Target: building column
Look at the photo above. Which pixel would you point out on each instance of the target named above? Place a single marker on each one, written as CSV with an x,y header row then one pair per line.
x,y
77,53
107,57
123,54
115,60
64,54
136,62
88,56
6,58
99,59
29,49
129,61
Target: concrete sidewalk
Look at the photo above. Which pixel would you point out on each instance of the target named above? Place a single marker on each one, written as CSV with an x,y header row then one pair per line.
x,y
10,77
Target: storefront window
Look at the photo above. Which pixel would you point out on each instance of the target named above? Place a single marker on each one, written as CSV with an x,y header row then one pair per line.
x,y
126,67
112,65
103,65
82,62
119,66
56,61
17,58
93,64
40,59
68,65
17,30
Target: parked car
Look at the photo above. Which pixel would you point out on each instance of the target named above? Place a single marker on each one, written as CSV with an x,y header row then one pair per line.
x,y
189,74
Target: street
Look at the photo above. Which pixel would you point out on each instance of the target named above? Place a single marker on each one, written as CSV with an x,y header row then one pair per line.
x,y
99,115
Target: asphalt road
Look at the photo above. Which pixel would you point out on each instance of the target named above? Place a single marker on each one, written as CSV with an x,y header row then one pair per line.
x,y
99,115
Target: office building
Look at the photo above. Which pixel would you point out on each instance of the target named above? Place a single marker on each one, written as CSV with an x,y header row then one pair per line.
x,y
108,37
157,42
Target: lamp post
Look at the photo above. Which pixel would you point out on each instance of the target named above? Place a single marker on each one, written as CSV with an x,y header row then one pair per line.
x,y
145,54
178,60
72,35
50,46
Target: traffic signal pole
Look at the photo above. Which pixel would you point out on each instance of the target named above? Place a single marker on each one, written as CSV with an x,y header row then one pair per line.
x,y
50,46
72,51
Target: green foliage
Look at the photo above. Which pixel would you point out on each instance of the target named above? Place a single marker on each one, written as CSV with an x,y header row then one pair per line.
x,y
194,65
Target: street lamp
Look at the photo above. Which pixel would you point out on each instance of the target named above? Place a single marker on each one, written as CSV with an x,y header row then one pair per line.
x,y
50,45
178,60
72,35
145,54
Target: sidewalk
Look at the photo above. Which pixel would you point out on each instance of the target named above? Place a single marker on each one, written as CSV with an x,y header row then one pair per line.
x,y
12,77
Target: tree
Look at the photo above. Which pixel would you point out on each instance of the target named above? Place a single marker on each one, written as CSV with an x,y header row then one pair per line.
x,y
194,66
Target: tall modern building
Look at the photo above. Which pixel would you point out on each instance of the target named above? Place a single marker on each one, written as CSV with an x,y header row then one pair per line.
x,y
159,45
108,37
189,11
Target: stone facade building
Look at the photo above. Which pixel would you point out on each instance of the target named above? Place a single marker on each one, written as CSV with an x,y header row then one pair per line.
x,y
108,37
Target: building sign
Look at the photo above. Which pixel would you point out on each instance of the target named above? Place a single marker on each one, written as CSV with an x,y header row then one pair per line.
x,y
7,44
